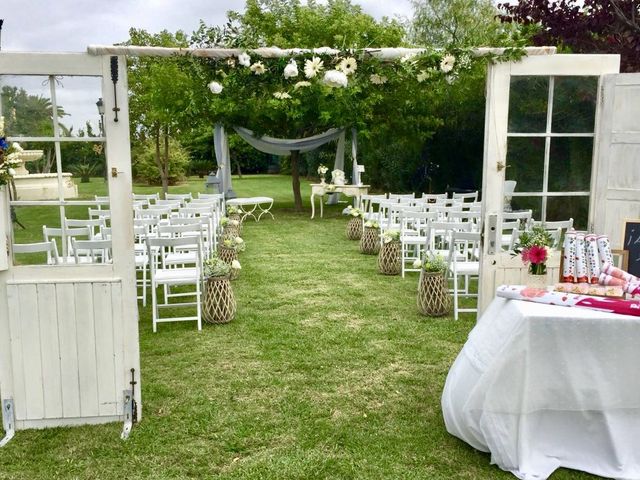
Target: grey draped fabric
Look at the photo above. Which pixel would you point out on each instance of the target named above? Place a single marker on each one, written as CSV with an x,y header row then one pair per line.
x,y
273,146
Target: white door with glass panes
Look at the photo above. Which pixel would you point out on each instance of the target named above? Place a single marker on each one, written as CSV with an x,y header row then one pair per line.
x,y
68,316
541,127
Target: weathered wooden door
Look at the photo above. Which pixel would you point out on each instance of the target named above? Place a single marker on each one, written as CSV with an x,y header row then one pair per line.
x,y
618,156
542,128
68,331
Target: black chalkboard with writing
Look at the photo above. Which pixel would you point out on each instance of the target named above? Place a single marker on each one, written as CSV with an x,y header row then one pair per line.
x,y
631,242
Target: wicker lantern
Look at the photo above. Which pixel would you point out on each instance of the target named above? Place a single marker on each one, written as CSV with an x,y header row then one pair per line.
x,y
354,228
370,241
389,258
219,305
433,296
227,254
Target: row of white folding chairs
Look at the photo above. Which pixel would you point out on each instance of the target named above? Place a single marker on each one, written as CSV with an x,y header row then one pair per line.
x,y
400,216
372,205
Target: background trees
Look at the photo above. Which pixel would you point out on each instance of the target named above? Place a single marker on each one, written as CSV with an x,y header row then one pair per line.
x,y
583,26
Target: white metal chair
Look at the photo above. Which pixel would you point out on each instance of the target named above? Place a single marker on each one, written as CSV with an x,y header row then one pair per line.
x,y
464,264
93,224
164,276
65,236
49,247
184,198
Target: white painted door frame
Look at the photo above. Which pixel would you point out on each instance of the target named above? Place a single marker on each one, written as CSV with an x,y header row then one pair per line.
x,y
494,262
103,297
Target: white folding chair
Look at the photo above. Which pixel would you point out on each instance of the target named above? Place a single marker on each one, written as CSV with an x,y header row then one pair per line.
x,y
464,264
91,251
414,226
65,236
149,198
556,229
164,276
434,197
184,198
93,224
48,247
465,197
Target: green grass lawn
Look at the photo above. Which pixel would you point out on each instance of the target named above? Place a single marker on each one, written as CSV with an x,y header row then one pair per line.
x,y
327,372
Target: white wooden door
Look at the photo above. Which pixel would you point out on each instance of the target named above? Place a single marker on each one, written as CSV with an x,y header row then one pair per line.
x,y
618,156
525,135
69,332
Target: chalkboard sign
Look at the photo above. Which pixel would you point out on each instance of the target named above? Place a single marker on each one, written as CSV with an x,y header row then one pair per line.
x,y
631,242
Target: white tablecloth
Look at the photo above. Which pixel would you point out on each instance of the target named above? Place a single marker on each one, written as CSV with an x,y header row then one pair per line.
x,y
543,387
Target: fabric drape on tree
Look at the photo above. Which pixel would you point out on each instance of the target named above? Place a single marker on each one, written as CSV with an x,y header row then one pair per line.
x,y
273,146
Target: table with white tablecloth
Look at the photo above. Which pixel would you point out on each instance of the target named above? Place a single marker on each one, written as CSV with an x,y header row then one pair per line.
x,y
544,386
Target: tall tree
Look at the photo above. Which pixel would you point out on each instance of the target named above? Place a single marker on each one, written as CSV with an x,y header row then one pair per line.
x,y
159,100
459,23
583,26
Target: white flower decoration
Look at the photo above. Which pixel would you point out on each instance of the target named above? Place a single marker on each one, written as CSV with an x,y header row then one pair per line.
x,y
281,95
378,79
447,62
291,70
16,147
258,68
313,67
234,223
239,240
11,172
244,59
408,58
235,264
231,62
423,75
348,65
215,88
324,51
302,84
335,78
417,264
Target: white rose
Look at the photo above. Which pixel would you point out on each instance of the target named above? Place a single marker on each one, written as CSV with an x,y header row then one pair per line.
x,y
417,264
291,70
11,172
244,59
16,147
215,88
335,78
235,264
239,240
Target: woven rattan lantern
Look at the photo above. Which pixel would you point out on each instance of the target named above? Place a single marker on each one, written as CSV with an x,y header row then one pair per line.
x,y
354,228
433,296
389,258
370,241
219,304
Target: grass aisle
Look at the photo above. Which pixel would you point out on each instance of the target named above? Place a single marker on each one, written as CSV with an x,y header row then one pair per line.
x,y
328,371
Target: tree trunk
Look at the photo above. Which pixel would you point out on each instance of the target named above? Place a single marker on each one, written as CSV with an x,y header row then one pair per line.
x,y
239,170
165,164
295,180
158,159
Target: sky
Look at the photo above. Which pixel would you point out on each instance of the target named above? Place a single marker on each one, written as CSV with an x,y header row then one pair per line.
x,y
72,25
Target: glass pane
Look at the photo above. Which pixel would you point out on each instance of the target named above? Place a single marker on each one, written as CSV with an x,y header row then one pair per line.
x,y
28,223
564,208
26,105
77,99
528,100
570,164
574,104
525,163
528,203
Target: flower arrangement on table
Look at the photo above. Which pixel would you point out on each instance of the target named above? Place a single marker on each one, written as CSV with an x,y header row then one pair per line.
x,y
390,235
215,267
322,171
431,263
337,177
9,157
533,247
236,243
